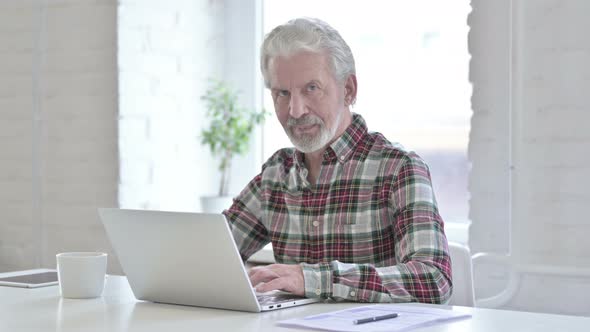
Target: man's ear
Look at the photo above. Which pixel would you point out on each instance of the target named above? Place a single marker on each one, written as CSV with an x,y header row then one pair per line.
x,y
350,88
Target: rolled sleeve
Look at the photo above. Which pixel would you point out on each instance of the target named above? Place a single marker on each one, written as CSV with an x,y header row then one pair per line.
x,y
318,280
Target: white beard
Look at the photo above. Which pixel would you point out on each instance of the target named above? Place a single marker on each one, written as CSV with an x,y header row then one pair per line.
x,y
310,143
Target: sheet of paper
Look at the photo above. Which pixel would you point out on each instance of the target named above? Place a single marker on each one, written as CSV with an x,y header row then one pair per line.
x,y
409,317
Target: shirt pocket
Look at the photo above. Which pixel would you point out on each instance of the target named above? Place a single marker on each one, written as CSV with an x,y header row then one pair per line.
x,y
357,207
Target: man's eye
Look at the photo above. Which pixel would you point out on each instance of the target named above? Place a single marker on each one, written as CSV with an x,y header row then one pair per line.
x,y
283,93
312,87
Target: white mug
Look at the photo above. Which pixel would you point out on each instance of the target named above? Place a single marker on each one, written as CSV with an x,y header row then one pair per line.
x,y
81,274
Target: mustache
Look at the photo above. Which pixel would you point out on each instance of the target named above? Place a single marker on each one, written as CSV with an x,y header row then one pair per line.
x,y
304,121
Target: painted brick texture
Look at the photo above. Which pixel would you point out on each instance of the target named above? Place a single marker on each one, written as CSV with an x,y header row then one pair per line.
x,y
58,128
531,57
167,52
99,105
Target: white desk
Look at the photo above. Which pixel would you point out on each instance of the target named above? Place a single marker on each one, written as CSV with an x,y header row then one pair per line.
x,y
44,310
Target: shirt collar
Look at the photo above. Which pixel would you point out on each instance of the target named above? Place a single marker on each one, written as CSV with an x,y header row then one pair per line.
x,y
344,145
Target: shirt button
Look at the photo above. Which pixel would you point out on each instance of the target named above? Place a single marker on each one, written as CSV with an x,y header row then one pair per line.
x,y
341,158
352,293
316,223
318,292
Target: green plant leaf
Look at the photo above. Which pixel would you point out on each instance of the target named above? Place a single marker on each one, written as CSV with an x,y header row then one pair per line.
x,y
231,125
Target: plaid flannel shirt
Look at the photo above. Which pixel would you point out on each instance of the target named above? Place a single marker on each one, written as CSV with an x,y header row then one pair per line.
x,y
368,231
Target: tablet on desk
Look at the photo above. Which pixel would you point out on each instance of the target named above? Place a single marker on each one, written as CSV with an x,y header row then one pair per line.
x,y
29,278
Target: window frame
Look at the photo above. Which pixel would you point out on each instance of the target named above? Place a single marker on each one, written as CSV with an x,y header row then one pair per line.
x,y
244,31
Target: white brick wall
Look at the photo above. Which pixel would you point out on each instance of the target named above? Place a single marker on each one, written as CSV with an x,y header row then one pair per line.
x,y
58,150
555,118
86,85
167,51
489,71
547,51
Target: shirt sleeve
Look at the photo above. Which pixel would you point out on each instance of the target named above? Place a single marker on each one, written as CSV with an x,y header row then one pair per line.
x,y
245,220
423,272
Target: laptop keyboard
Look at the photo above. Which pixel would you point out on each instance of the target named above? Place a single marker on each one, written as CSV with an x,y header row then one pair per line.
x,y
265,299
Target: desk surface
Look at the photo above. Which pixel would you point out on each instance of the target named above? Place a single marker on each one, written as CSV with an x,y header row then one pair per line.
x,y
44,310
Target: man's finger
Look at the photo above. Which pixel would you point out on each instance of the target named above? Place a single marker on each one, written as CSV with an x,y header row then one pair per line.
x,y
275,284
262,275
253,270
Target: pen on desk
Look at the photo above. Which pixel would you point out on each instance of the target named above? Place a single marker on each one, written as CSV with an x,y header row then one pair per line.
x,y
374,319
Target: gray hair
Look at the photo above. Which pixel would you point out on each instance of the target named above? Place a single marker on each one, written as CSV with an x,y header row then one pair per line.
x,y
307,34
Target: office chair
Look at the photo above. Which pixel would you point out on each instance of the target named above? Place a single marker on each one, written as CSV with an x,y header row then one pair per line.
x,y
463,293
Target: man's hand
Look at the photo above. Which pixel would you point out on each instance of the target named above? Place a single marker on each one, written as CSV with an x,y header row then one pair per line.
x,y
284,277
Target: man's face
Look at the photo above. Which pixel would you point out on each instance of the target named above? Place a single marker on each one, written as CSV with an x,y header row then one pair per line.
x,y
308,100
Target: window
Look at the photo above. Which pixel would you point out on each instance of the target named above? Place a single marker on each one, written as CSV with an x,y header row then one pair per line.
x,y
412,66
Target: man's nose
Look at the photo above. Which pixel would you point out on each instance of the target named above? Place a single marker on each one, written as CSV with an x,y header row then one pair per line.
x,y
297,106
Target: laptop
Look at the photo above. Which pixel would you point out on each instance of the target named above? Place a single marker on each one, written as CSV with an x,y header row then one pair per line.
x,y
186,258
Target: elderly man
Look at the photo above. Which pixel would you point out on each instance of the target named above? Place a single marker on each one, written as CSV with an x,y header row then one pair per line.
x,y
350,215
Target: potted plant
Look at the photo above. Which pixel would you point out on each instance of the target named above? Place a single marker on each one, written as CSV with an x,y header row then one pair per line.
x,y
227,136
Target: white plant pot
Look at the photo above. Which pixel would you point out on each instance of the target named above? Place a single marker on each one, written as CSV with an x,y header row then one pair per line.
x,y
215,204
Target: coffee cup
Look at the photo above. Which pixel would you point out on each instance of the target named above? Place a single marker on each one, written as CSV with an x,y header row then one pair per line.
x,y
81,275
